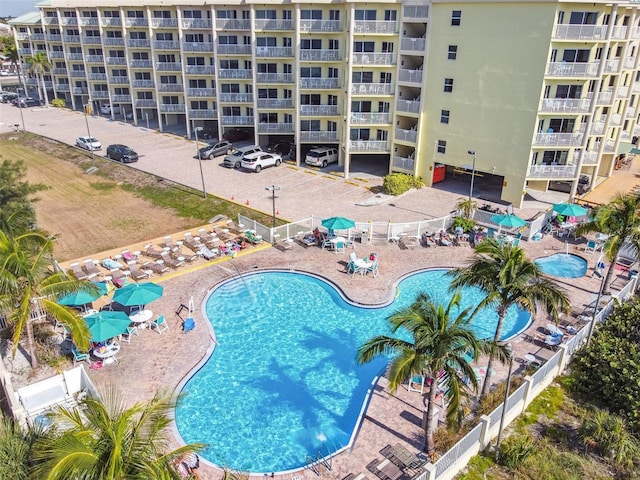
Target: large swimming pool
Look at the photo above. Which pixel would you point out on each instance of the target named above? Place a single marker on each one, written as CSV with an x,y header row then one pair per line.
x,y
282,385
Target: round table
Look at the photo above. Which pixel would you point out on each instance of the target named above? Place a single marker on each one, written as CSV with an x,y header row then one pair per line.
x,y
530,358
108,354
141,318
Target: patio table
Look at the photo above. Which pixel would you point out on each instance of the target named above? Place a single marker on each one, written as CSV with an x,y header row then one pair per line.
x,y
107,354
141,318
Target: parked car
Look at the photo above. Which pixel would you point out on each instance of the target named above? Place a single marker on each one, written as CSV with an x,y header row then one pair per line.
x,y
8,97
24,102
121,153
88,143
285,149
207,134
106,109
321,157
259,160
213,150
234,158
236,134
564,186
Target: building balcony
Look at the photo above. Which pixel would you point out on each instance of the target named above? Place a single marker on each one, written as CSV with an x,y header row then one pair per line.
x,y
321,83
99,94
172,108
56,54
233,24
635,88
78,73
143,84
168,66
328,26
201,92
275,103
271,52
612,66
68,21
146,103
74,56
629,62
53,37
59,71
273,24
121,98
631,112
619,32
404,163
558,139
567,69
615,119
415,12
138,43
319,110
622,92
50,20
369,146
116,61
635,32
31,81
566,105
580,32
237,120
89,21
114,41
406,135
597,128
71,38
235,73
275,127
373,58
360,118
164,22
372,88
567,172
199,69
80,90
204,114
111,21
170,87
408,106
94,58
99,77
636,130
308,55
413,44
197,46
318,136
22,36
136,22
63,87
141,63
119,80
236,97
166,45
37,37
274,77
376,26
588,158
196,23
604,97
234,49
410,76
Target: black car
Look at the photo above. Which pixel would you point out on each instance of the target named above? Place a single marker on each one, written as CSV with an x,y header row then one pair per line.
x,y
285,149
122,153
207,134
8,97
23,102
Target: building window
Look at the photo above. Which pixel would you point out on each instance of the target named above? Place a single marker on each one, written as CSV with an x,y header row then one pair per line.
x,y
444,116
448,85
456,17
442,146
453,52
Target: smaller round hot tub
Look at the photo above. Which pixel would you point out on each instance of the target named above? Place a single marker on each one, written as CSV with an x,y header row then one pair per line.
x,y
563,265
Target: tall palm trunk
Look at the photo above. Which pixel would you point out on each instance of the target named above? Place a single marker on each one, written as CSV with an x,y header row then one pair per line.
x,y
612,267
32,345
44,89
502,313
429,446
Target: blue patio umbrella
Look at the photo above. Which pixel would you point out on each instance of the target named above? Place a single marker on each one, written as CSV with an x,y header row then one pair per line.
x,y
508,221
83,297
570,210
138,294
107,324
338,223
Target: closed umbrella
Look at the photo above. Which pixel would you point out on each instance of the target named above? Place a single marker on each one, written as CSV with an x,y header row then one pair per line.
x,y
570,210
508,220
106,325
83,297
138,294
338,223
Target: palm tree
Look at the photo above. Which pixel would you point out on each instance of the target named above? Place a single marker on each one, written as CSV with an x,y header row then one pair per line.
x,y
16,448
507,277
29,288
620,219
104,440
441,346
40,64
466,207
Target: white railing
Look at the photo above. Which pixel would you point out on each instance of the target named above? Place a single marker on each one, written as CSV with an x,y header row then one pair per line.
x,y
376,26
568,105
413,44
275,103
369,145
272,52
552,171
233,24
372,88
273,24
234,49
411,76
369,118
410,106
404,163
319,110
415,11
406,135
567,69
320,25
318,136
373,58
313,82
236,97
237,120
580,32
274,77
559,139
275,128
308,55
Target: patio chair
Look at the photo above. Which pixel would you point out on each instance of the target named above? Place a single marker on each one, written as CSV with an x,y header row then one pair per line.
x,y
191,243
156,267
170,261
79,356
79,273
186,256
237,228
126,336
207,253
151,251
160,324
207,238
252,237
138,274
591,246
169,243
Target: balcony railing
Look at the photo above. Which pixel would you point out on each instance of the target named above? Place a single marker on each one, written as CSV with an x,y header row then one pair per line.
x,y
369,145
74,56
370,118
119,80
111,21
63,87
597,128
373,58
567,69
22,36
324,83
194,23
235,73
307,55
273,24
121,98
143,84
559,139
631,112
413,44
328,26
199,69
234,49
166,45
71,38
80,90
406,135
97,76
172,107
372,88
635,88
164,22
552,171
37,36
94,58
77,73
629,62
274,77
275,128
237,120
138,42
68,21
197,46
612,66
568,105
50,20
319,110
168,66
171,87
404,163
415,11
409,106
580,32
588,158
146,103
622,92
275,103
619,32
604,96
233,24
89,21
140,63
616,119
201,92
56,54
99,94
274,52
318,136
411,76
59,71
114,41
116,61
136,22
201,113
379,26
236,97
53,37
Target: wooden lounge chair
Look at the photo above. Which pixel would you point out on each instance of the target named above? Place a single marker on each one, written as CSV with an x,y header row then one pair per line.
x,y
191,243
151,251
170,261
79,273
117,278
127,256
207,238
156,267
186,256
138,274
169,243
91,268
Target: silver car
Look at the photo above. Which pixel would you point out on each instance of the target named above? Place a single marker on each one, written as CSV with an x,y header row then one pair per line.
x,y
88,143
213,150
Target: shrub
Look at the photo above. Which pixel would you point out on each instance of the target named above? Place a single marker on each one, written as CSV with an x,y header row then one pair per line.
x,y
608,434
58,103
466,223
399,183
515,450
445,438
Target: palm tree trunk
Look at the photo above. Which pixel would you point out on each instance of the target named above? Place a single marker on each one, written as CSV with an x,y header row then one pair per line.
x,y
32,345
607,280
429,446
487,376
44,91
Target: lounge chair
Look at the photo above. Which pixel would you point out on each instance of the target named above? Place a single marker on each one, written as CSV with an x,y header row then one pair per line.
x,y
191,243
117,278
252,237
169,261
207,253
169,243
186,256
207,238
156,267
231,225
127,256
91,268
79,273
138,274
160,324
110,264
151,251
428,240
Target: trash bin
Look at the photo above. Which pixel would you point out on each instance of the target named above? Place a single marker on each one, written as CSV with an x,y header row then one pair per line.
x,y
633,273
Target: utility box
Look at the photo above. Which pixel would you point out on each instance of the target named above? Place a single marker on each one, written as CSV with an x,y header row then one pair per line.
x,y
439,172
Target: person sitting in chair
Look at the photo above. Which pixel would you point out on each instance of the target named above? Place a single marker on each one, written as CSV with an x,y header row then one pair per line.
x,y
445,239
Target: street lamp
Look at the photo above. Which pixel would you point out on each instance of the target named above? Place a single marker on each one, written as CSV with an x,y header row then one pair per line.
x,y
473,172
509,348
204,190
273,189
87,110
595,309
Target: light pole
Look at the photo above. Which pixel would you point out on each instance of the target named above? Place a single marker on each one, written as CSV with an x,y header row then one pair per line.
x,y
595,308
204,190
273,189
473,172
87,109
506,398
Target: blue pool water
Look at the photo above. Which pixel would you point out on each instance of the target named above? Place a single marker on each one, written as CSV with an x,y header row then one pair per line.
x,y
563,265
282,384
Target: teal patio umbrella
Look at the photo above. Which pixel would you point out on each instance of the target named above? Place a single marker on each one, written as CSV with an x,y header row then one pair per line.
x,y
138,294
570,210
107,324
508,221
338,223
83,297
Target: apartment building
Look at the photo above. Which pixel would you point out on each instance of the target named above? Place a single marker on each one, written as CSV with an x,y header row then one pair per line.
x,y
530,93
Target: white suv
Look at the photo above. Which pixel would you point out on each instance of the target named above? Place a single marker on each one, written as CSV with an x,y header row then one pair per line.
x,y
259,160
